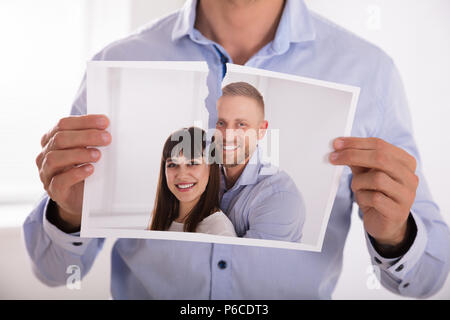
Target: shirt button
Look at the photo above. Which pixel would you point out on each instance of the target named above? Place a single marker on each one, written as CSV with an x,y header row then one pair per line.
x,y
377,260
77,243
222,264
399,268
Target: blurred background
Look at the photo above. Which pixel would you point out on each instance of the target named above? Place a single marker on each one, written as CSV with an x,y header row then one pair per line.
x,y
44,48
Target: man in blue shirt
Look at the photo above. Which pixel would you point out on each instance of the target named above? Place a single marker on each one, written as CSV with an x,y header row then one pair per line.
x,y
261,201
405,234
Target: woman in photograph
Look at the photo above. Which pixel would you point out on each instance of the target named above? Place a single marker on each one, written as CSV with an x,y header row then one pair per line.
x,y
187,197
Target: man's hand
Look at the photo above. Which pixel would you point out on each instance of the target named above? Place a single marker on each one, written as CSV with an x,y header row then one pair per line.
x,y
64,160
384,184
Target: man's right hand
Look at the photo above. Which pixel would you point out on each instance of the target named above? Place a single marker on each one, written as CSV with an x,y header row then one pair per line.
x,y
64,161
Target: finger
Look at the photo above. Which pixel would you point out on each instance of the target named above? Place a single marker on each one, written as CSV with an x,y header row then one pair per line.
x,y
58,161
76,139
372,159
375,180
90,121
377,200
39,159
357,143
401,155
358,170
60,184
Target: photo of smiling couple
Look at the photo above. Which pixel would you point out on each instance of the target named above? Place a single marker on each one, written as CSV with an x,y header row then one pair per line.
x,y
224,188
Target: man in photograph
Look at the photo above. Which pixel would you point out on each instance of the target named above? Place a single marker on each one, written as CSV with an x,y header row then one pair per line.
x,y
406,236
262,201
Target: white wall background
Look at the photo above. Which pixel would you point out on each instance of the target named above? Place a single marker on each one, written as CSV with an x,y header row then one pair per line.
x,y
44,48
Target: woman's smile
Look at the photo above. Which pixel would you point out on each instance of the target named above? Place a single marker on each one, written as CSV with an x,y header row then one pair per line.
x,y
230,147
183,187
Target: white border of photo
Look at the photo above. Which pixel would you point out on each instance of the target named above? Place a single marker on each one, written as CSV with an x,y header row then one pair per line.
x,y
90,229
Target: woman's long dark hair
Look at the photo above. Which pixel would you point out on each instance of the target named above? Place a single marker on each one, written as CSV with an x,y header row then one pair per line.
x,y
166,208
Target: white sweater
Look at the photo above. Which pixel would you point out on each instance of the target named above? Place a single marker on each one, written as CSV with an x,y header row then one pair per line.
x,y
216,223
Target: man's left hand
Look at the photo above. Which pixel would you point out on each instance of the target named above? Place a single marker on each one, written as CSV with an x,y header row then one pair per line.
x,y
384,184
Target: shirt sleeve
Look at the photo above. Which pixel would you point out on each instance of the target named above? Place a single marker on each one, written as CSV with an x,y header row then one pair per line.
x,y
54,253
279,216
422,270
396,269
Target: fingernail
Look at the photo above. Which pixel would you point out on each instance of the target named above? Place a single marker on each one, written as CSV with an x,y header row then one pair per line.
x,y
338,143
88,168
95,154
101,122
333,156
105,137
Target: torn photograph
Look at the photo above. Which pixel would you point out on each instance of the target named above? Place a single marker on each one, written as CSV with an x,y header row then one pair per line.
x,y
246,166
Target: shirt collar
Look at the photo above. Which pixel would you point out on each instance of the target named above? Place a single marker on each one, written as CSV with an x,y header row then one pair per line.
x,y
295,25
251,171
184,25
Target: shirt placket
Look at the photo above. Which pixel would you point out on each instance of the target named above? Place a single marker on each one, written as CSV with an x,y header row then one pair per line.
x,y
221,254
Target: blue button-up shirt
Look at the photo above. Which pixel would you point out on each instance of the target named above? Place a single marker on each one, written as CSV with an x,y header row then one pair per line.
x,y
264,202
307,45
